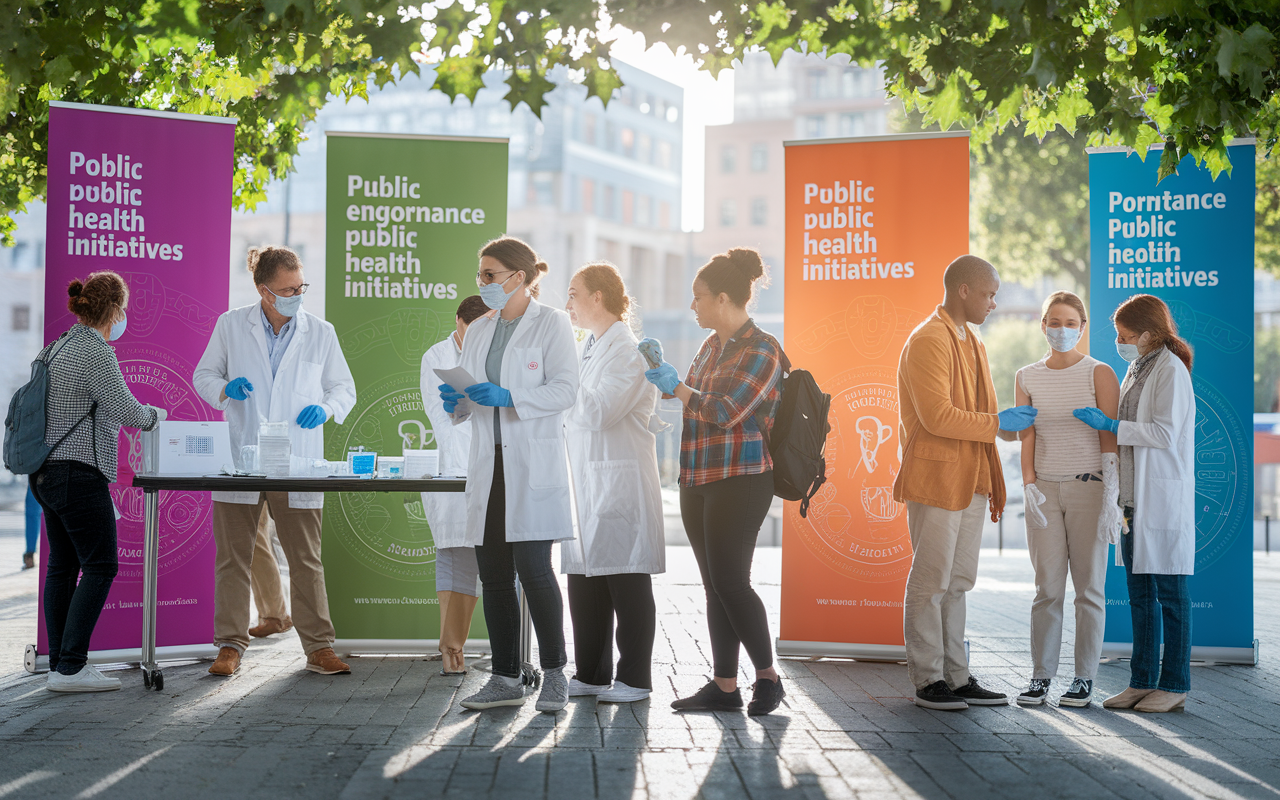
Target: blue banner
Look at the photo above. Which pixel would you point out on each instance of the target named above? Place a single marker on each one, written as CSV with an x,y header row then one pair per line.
x,y
1189,240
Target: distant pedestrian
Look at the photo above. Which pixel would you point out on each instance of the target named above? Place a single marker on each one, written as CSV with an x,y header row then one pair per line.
x,y
31,507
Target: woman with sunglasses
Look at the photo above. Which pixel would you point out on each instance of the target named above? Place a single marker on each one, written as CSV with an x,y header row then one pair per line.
x,y
525,363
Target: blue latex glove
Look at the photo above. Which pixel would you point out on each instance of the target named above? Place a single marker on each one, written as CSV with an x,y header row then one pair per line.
x,y
450,396
651,349
312,417
489,394
238,389
1096,419
1018,418
664,377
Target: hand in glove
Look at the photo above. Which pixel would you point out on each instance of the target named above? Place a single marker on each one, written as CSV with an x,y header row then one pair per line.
x,y
489,394
238,389
312,417
1018,418
664,377
450,396
1096,419
1032,499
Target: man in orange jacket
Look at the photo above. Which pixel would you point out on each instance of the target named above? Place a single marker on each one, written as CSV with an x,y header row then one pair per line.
x,y
950,476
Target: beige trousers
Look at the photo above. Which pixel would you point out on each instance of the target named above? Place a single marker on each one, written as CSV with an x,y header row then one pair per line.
x,y
944,565
235,527
1070,540
264,577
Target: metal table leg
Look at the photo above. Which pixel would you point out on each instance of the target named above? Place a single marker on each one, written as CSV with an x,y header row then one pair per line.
x,y
152,676
529,674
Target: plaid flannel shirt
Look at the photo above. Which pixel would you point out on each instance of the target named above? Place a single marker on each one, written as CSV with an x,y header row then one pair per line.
x,y
85,371
727,424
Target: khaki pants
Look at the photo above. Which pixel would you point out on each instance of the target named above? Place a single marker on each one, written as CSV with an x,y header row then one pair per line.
x,y
268,593
944,565
235,527
1069,540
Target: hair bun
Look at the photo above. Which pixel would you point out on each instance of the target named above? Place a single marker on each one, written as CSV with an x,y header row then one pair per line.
x,y
748,261
74,288
541,266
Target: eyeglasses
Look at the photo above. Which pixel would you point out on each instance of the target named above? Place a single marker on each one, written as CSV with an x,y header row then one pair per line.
x,y
486,277
291,291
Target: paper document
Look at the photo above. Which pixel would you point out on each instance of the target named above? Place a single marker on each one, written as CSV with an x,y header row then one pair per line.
x,y
459,379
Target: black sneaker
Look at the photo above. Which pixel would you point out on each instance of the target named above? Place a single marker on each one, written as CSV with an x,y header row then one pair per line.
x,y
939,697
1036,693
710,698
1079,695
765,696
975,695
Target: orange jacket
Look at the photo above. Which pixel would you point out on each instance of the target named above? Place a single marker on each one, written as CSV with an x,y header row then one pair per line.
x,y
947,429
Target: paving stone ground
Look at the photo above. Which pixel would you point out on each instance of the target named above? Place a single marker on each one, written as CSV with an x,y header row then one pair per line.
x,y
394,727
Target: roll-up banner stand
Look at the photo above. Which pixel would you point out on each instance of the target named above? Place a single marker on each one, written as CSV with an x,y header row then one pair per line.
x,y
405,218
1188,240
146,194
871,225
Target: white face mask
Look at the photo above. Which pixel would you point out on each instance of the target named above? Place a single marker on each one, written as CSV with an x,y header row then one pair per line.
x,y
1131,352
1062,339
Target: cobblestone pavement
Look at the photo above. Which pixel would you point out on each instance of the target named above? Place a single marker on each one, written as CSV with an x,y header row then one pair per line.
x,y
394,727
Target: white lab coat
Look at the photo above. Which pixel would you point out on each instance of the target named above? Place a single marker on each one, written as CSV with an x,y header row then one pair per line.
x,y
1164,478
313,371
540,369
613,458
446,511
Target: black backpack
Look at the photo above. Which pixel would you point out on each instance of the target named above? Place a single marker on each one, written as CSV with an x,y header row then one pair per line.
x,y
24,447
799,437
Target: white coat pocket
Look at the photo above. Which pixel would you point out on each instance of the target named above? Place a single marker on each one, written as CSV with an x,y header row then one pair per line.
x,y
548,465
611,514
307,381
530,371
1163,512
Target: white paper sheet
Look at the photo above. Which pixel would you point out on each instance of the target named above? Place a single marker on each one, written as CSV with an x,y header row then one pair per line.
x,y
459,379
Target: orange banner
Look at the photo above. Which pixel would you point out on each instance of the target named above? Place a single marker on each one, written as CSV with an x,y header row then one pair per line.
x,y
871,225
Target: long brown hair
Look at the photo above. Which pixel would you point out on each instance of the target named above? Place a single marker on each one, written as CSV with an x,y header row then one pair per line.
x,y
1148,313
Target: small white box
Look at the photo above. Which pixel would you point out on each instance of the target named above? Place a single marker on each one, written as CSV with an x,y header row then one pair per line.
x,y
186,448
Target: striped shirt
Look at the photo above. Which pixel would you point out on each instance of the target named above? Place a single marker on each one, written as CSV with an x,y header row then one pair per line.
x,y
1065,446
727,423
85,371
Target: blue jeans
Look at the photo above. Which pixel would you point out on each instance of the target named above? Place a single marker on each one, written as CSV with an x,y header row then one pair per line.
x,y
32,507
1154,599
80,522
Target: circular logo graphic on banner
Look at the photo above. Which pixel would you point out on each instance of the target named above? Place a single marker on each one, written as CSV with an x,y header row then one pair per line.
x,y
158,377
1223,507
854,525
386,532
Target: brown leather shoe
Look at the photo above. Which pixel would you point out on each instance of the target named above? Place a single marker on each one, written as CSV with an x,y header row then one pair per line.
x,y
270,625
1129,698
326,662
227,663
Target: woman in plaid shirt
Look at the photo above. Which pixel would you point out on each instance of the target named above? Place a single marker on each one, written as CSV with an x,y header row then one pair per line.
x,y
730,398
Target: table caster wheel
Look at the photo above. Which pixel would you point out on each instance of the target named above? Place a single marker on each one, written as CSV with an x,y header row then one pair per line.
x,y
146,679
157,682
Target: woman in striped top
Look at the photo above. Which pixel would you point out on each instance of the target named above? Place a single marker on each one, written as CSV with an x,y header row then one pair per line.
x,y
88,402
1070,472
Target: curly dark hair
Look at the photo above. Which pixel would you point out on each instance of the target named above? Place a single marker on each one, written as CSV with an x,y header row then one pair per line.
x,y
96,300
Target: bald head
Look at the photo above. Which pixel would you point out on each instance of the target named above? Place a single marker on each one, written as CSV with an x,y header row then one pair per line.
x,y
968,271
971,285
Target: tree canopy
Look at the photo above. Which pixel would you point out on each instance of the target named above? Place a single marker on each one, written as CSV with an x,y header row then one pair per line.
x,y
1190,73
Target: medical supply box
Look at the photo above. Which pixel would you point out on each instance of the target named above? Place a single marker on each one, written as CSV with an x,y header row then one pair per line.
x,y
186,448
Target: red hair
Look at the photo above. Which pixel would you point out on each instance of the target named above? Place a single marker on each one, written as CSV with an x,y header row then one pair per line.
x,y
1148,313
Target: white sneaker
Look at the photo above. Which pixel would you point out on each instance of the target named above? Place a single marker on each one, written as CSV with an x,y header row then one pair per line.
x,y
579,689
87,679
622,693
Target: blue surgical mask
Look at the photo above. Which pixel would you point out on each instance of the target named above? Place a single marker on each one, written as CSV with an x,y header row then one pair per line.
x,y
1129,352
493,295
287,306
117,330
1062,339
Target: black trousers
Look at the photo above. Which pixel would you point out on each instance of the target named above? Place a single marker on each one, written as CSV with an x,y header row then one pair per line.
x,y
722,520
82,561
499,562
593,604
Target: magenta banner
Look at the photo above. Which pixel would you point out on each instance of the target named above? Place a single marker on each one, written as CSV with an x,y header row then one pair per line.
x,y
148,195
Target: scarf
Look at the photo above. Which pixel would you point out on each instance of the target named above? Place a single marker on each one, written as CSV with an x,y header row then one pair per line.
x,y
1130,394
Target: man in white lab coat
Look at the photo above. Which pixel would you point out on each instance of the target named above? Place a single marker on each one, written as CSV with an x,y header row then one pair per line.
x,y
273,361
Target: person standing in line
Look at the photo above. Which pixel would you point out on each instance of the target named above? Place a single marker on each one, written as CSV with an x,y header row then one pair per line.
x,y
273,360
613,456
31,509
1156,431
950,476
264,580
457,574
518,501
730,399
87,403
1071,477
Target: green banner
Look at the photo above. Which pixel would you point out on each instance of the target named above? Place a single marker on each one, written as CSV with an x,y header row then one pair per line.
x,y
405,216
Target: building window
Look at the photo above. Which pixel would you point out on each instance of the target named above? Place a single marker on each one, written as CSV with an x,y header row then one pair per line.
x,y
759,211
641,278
815,126
728,213
588,195
628,207
853,124
664,215
610,136
815,83
759,157
644,150
728,158
644,210
610,197
628,142
589,129
664,155
22,317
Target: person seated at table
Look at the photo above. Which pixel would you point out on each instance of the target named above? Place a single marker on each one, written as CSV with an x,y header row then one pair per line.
x,y
274,361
